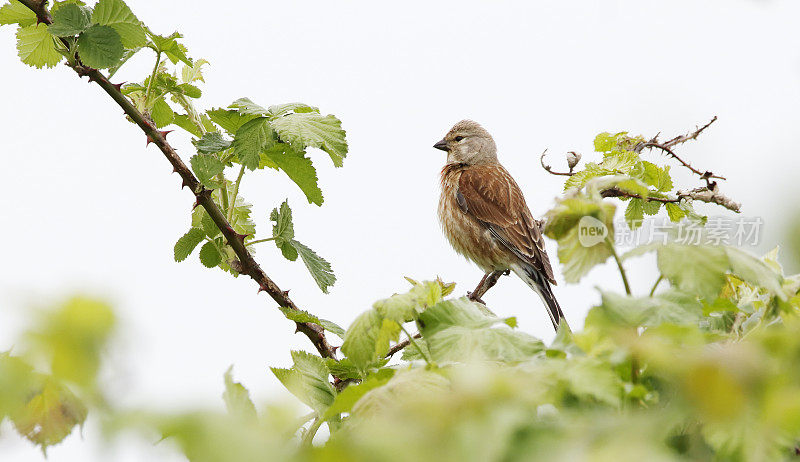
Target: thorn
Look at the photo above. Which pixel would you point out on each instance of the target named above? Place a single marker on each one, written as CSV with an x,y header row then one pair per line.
x,y
118,86
183,183
241,237
149,140
334,348
164,133
196,203
91,79
285,293
261,289
297,329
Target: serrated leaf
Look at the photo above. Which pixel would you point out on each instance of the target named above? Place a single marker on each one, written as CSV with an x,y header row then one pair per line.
x,y
116,14
283,230
36,47
162,114
15,12
674,212
190,90
100,46
403,387
209,227
230,121
247,107
634,213
206,167
237,398
252,138
754,271
50,413
605,142
193,73
70,20
185,122
405,307
209,255
664,182
308,381
298,168
651,207
671,307
305,316
361,342
240,219
345,400
170,46
311,129
694,269
187,243
212,142
319,268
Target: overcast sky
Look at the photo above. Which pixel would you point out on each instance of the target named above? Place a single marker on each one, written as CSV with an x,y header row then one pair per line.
x,y
88,208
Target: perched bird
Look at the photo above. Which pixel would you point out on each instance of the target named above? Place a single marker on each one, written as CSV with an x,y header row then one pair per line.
x,y
484,215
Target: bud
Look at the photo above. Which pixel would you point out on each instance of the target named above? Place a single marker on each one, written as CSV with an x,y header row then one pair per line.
x,y
572,159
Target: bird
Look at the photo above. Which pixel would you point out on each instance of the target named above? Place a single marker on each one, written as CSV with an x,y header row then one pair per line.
x,y
484,216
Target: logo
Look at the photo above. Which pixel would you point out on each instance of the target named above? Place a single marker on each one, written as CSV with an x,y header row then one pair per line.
x,y
591,231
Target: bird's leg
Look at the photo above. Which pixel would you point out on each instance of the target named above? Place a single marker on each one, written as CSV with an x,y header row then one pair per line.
x,y
487,282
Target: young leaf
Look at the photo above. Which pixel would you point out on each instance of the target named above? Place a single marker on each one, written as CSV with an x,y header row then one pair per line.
x,y
100,46
209,227
283,230
634,213
252,138
170,46
674,212
361,340
237,398
755,271
651,207
694,269
115,13
311,129
246,107
308,381
36,47
15,12
212,142
305,316
50,414
206,167
230,121
193,73
605,142
209,255
298,168
162,114
319,268
671,307
345,400
187,243
70,20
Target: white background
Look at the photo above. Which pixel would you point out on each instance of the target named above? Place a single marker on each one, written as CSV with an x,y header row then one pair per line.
x,y
87,208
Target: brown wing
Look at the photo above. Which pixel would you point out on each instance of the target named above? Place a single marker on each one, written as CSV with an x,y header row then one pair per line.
x,y
488,193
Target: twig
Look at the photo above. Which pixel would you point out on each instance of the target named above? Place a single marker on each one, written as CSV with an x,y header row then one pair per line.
x,y
667,148
548,168
247,264
401,345
703,194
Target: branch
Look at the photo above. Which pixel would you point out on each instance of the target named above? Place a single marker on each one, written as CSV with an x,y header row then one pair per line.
x,y
548,168
667,148
246,264
401,345
704,194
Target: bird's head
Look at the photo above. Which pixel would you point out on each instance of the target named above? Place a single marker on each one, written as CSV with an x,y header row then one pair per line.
x,y
469,143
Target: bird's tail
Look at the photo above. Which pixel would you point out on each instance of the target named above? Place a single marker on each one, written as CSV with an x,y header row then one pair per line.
x,y
539,283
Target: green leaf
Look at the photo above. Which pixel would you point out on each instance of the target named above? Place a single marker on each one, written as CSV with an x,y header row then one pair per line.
x,y
651,207
694,269
230,121
345,400
206,167
605,142
15,12
187,243
209,227
209,255
185,122
283,230
634,213
671,307
311,129
212,142
308,381
754,271
298,168
674,212
405,307
162,114
279,110
246,107
403,387
116,14
194,72
252,138
190,90
319,268
237,398
100,46
240,219
305,316
170,46
363,344
36,47
70,20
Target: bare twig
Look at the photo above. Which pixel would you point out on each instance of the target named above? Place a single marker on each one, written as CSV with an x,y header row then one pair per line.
x,y
549,169
667,148
246,264
703,194
400,345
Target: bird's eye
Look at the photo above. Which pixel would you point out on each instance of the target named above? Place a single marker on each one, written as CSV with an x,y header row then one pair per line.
x,y
459,138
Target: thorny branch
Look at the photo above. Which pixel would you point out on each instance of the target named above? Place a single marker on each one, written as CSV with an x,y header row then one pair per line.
x,y
709,193
246,263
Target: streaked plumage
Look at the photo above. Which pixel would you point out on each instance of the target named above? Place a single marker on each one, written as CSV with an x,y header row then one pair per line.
x,y
484,215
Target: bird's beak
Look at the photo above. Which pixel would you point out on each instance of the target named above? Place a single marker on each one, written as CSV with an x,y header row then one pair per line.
x,y
441,145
